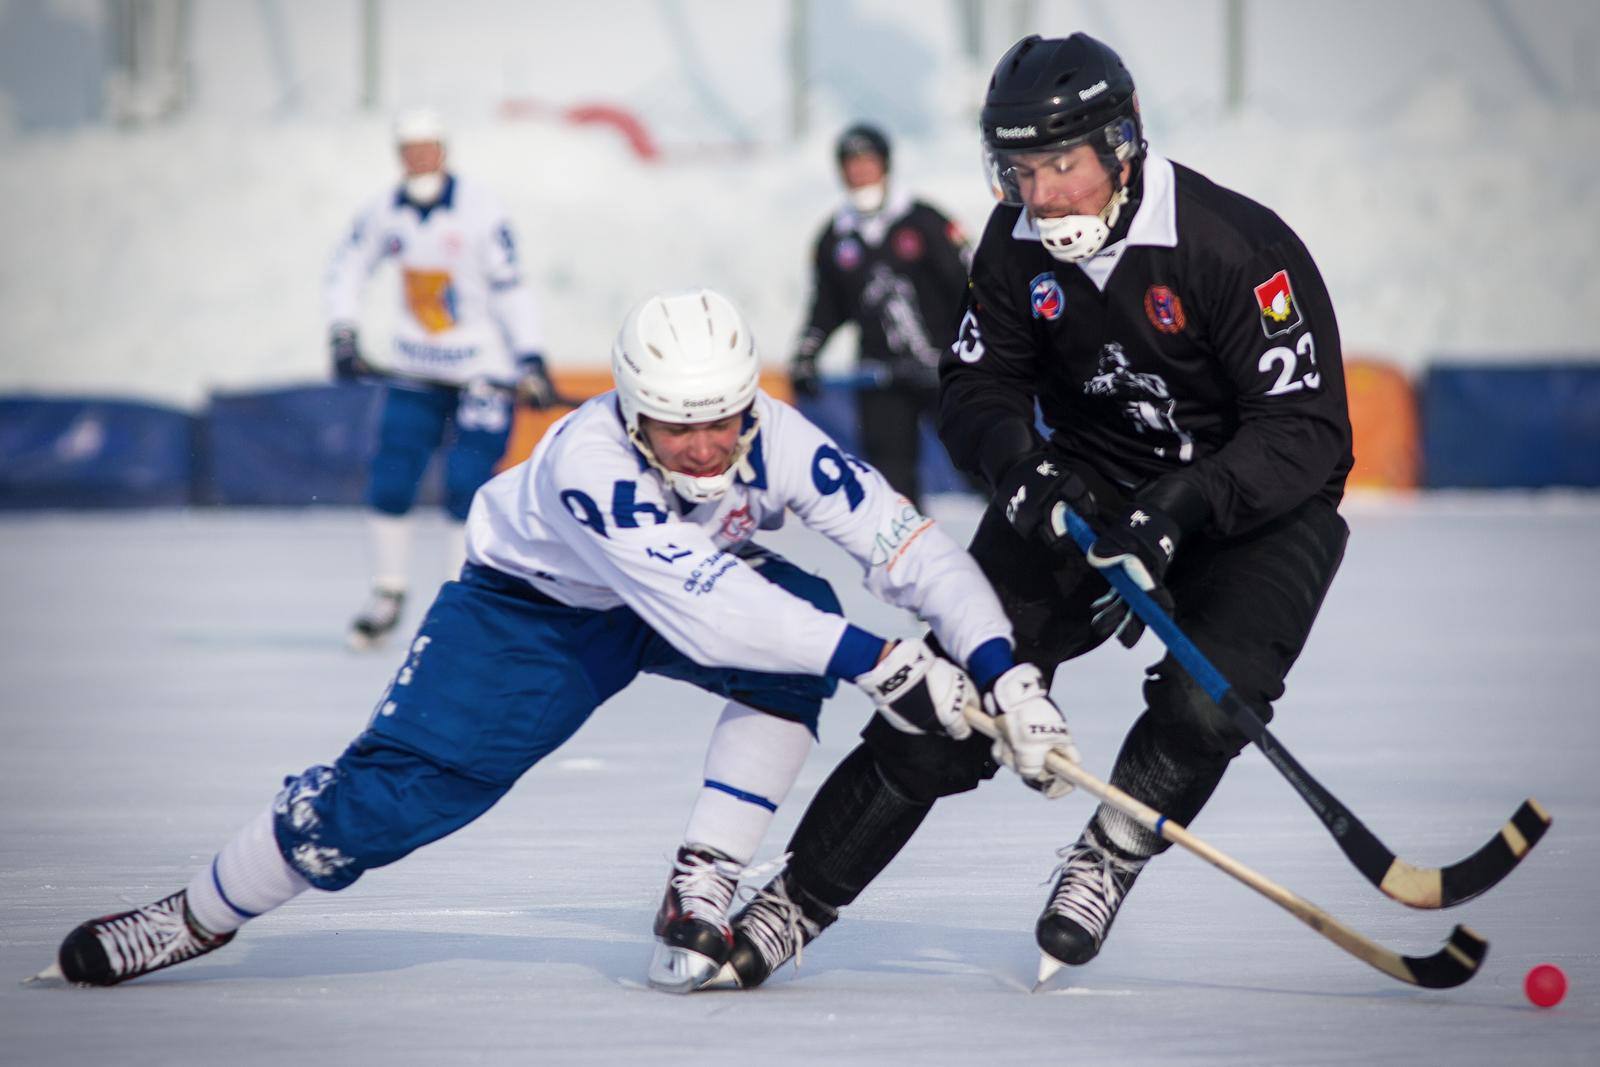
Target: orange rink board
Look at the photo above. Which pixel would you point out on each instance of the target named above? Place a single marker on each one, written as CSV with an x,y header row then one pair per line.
x,y
580,385
1383,421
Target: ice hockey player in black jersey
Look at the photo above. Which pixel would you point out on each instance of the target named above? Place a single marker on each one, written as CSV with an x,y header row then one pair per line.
x,y
1182,350
896,267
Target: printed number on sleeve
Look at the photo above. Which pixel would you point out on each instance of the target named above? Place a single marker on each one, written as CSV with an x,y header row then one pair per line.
x,y
1292,377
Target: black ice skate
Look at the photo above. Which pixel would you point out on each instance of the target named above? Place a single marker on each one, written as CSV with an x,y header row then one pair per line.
x,y
115,948
691,928
1093,880
378,617
771,929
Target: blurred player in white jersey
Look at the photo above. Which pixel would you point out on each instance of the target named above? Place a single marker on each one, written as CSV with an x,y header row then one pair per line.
x,y
467,341
625,544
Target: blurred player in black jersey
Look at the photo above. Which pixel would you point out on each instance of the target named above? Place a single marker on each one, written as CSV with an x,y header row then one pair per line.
x,y
897,268
1182,350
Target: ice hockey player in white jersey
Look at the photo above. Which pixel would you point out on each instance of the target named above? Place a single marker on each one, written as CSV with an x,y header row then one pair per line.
x,y
626,544
467,340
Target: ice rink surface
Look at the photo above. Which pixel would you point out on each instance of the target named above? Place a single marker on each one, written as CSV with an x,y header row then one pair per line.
x,y
161,672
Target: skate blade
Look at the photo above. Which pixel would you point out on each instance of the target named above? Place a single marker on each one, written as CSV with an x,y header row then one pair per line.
x,y
727,978
1049,967
50,976
677,970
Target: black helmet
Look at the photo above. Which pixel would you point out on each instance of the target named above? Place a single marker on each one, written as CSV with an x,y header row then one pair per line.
x,y
862,139
1049,92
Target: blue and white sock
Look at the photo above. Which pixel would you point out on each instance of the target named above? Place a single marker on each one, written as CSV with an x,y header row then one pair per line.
x,y
247,878
751,763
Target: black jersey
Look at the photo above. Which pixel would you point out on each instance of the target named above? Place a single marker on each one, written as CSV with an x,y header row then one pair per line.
x,y
1202,345
901,275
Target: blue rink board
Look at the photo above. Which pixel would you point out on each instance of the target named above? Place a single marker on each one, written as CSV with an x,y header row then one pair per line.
x,y
1510,426
84,452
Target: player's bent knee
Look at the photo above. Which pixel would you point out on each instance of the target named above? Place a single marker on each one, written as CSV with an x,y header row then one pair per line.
x,y
925,767
1187,713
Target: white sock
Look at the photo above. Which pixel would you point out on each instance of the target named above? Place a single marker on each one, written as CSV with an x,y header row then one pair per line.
x,y
455,549
391,551
247,878
751,762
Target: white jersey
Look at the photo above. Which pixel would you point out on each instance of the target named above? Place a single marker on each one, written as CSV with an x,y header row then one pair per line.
x,y
588,522
465,311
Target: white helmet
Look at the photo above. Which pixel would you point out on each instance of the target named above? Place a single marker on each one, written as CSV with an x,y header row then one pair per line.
x,y
687,358
418,126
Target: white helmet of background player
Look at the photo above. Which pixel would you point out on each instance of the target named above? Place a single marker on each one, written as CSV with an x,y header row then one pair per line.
x,y
687,358
419,137
1047,97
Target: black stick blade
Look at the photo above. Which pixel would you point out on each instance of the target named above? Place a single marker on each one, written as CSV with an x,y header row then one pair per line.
x,y
1452,965
1481,870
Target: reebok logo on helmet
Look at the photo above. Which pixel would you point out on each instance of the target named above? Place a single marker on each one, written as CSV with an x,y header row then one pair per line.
x,y
1014,132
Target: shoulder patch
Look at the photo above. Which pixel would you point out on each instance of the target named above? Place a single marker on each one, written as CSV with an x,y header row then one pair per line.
x,y
1275,300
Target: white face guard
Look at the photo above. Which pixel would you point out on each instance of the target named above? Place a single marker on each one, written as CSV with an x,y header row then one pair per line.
x,y
869,199
698,489
424,189
1072,238
687,358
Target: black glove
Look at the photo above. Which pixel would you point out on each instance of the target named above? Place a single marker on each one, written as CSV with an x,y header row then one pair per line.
x,y
348,366
1141,541
804,378
1035,484
534,387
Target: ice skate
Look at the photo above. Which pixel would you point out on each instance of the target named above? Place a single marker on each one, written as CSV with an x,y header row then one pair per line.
x,y
771,929
1092,881
692,931
115,948
378,618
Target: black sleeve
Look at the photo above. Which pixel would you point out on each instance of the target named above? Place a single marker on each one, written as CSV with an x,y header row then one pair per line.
x,y
987,379
951,256
1277,341
828,311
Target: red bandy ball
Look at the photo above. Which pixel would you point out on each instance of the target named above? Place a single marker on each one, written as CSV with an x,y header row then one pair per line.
x,y
1545,985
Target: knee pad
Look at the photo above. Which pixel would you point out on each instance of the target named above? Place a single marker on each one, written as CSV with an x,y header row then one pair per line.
x,y
302,836
925,767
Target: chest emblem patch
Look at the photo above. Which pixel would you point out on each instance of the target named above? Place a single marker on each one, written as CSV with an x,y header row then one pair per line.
x,y
1164,309
1044,293
907,244
847,254
1275,299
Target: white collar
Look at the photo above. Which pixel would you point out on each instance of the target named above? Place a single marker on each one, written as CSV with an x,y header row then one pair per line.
x,y
874,227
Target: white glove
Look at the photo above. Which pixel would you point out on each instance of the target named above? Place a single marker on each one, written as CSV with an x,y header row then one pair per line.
x,y
919,692
1030,726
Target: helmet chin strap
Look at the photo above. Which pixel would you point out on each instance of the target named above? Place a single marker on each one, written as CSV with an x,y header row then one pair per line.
x,y
699,489
1073,238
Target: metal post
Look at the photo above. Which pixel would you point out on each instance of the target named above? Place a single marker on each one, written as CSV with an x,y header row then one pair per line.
x,y
369,55
1233,55
799,67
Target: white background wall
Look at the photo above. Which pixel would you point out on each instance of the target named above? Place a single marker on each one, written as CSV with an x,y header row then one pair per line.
x,y
1439,158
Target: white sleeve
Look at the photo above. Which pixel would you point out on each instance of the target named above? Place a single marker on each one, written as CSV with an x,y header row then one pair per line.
x,y
708,604
510,298
353,261
909,562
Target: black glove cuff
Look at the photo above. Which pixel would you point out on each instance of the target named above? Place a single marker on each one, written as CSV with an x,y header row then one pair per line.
x,y
1180,501
1006,444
